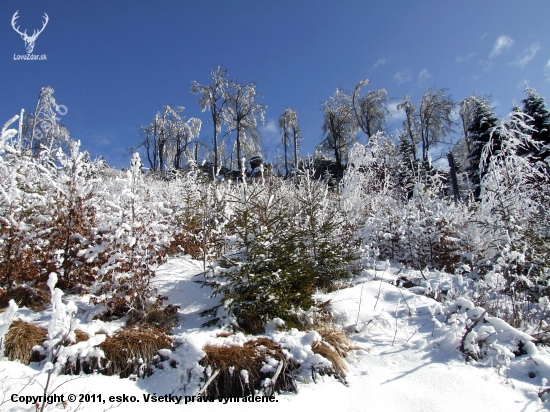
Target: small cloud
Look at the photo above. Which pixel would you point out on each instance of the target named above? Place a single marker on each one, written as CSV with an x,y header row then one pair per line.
x,y
483,36
403,76
527,55
102,139
380,62
460,59
424,75
270,132
547,70
502,43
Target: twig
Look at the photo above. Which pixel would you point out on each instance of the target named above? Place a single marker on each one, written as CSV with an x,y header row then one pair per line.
x,y
422,273
379,290
469,329
410,312
396,310
359,311
208,382
274,378
417,329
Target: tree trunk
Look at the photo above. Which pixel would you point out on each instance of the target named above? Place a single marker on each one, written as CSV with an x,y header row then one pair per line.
x,y
238,146
295,150
286,144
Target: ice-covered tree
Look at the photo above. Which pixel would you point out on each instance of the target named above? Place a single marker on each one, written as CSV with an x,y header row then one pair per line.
x,y
534,106
288,123
339,126
370,109
411,135
434,119
42,129
514,210
213,97
242,115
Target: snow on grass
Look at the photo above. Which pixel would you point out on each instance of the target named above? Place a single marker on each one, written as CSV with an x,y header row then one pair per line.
x,y
408,357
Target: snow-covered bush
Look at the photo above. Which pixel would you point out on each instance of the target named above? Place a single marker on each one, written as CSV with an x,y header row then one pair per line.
x,y
132,237
514,216
425,230
69,222
23,197
199,215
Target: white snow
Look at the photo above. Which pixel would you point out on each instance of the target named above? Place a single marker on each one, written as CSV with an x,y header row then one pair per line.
x,y
407,357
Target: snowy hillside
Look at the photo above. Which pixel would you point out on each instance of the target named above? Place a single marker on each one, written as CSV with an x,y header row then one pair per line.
x,y
375,281
407,356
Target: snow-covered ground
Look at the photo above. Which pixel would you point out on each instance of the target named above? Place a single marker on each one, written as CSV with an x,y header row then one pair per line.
x,y
407,358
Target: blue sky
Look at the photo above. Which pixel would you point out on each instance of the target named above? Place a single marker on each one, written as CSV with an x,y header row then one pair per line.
x,y
114,64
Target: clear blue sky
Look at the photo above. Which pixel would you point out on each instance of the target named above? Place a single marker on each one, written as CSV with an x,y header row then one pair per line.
x,y
114,64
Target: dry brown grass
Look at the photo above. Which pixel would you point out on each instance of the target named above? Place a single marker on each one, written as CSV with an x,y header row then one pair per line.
x,y
131,351
165,318
233,360
20,340
335,346
33,298
337,339
80,336
338,365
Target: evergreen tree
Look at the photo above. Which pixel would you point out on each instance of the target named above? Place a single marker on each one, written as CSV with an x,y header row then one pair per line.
x,y
327,236
481,130
535,107
407,164
266,274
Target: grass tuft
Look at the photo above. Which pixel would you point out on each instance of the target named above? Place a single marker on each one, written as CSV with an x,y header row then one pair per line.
x,y
131,351
20,340
33,298
241,369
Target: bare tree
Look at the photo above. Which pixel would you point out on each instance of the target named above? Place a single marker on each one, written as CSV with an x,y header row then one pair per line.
x,y
410,124
42,129
288,122
214,98
168,137
184,133
150,144
435,118
370,109
242,114
339,125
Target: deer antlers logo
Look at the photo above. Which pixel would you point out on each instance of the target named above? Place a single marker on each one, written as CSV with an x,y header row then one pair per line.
x,y
29,40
